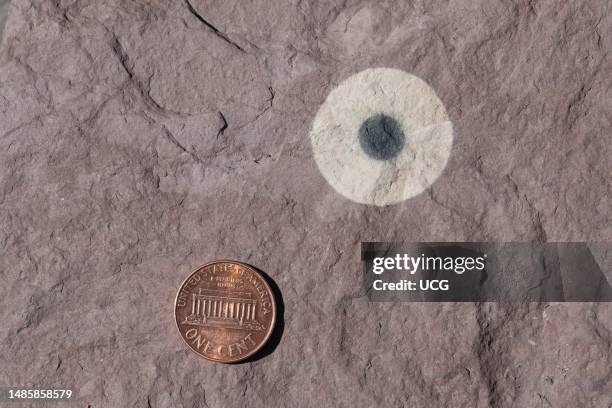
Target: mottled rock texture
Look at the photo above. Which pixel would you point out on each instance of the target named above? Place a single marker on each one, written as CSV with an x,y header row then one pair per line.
x,y
3,7
140,139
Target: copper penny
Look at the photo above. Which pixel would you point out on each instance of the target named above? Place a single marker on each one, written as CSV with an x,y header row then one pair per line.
x,y
225,311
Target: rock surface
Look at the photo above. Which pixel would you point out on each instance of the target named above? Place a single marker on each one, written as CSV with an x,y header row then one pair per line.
x,y
3,11
141,139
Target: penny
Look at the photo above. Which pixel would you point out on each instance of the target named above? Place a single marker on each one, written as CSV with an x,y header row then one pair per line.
x,y
225,311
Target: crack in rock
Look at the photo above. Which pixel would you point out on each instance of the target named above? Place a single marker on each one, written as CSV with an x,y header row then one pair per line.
x,y
176,143
214,29
224,125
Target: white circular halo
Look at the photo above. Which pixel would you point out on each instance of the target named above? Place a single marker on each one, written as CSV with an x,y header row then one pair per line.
x,y
422,117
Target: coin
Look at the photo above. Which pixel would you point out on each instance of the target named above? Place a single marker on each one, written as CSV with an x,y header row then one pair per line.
x,y
225,311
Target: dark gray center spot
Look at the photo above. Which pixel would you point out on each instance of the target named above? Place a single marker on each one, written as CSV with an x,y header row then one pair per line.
x,y
381,137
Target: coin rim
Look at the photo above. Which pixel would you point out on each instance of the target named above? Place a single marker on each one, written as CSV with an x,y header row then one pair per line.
x,y
266,338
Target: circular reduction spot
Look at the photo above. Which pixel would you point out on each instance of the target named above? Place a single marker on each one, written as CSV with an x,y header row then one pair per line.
x,y
382,136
